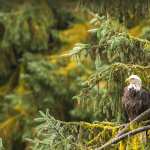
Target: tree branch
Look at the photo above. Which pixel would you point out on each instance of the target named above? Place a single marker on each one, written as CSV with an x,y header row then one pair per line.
x,y
123,136
139,118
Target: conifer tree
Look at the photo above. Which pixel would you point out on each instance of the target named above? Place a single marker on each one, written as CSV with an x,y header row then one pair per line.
x,y
27,33
116,55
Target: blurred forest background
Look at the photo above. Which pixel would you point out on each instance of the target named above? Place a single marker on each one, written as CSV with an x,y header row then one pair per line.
x,y
70,57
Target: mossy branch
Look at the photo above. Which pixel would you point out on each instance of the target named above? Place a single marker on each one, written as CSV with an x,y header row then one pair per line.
x,y
123,136
140,39
138,119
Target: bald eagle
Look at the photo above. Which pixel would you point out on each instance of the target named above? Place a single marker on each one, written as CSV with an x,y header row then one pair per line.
x,y
135,99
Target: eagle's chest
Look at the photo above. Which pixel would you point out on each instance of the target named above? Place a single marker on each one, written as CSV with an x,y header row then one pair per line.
x,y
134,104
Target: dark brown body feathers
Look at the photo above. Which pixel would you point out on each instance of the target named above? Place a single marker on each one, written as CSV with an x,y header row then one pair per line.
x,y
135,102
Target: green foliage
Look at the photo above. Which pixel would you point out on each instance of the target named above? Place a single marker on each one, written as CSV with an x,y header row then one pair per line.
x,y
116,55
54,134
7,65
30,24
47,86
23,27
64,19
114,45
41,85
29,78
127,12
1,145
51,134
103,103
146,33
27,31
89,108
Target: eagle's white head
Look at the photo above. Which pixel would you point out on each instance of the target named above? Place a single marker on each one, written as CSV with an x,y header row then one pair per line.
x,y
134,82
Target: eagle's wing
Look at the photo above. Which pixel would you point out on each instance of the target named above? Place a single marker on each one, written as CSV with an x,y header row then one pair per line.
x,y
124,105
145,97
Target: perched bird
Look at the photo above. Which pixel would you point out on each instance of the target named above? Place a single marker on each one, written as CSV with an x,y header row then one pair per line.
x,y
135,99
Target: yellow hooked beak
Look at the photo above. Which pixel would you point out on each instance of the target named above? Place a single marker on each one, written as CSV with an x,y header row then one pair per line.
x,y
127,80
